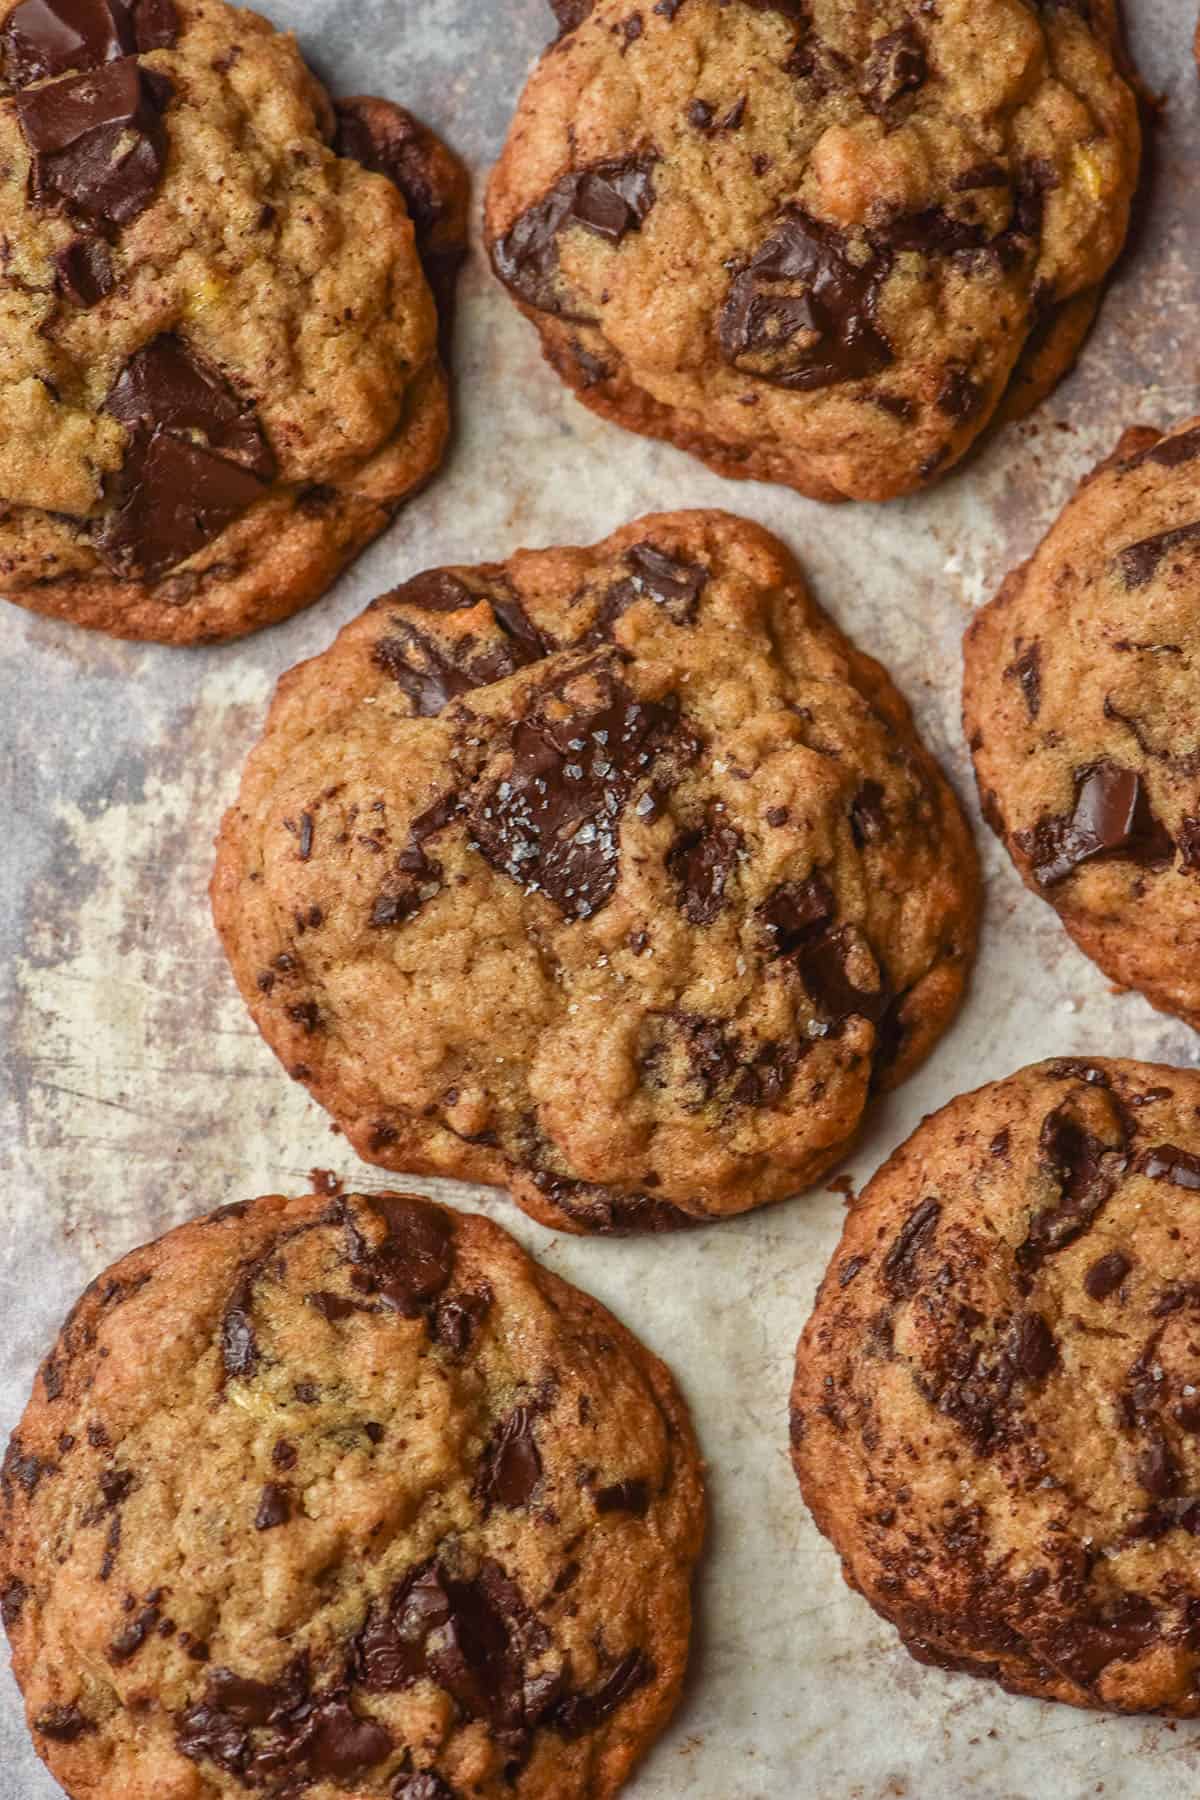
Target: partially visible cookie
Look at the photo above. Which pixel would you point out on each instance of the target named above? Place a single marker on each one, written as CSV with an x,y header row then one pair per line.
x,y
996,1412
1081,703
219,369
322,1496
822,242
616,875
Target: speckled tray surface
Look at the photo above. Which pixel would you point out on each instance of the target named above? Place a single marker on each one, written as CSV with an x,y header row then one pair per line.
x,y
136,1093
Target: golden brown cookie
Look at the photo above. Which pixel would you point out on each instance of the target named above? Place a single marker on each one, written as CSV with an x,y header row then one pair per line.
x,y
1081,704
219,370
822,242
616,875
317,1497
996,1412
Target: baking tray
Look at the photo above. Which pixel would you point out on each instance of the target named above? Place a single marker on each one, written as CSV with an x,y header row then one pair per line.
x,y
136,1093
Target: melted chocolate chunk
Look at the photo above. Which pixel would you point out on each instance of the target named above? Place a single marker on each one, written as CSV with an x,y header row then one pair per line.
x,y
274,1508
1106,1274
51,37
701,863
83,272
868,815
1139,563
897,64
167,386
1026,670
1111,817
576,1714
311,1737
1169,452
416,877
624,1496
671,580
415,1261
422,669
12,1601
98,141
1086,1169
796,911
174,495
803,314
239,1346
798,916
428,1785
511,1466
433,673
456,1320
1033,1347
610,199
900,1265
1166,1163
63,1724
607,1211
571,14
1120,1630
552,824
435,591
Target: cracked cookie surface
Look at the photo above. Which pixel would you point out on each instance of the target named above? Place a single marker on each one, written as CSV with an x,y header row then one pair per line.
x,y
219,370
1080,703
996,1412
614,875
816,241
327,1495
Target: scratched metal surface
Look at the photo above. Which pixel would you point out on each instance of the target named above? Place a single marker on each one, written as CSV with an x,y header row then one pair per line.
x,y
135,1092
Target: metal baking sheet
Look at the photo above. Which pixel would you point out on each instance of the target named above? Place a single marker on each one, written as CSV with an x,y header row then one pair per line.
x,y
136,1092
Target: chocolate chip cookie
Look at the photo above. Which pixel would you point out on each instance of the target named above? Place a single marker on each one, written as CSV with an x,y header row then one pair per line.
x,y
219,369
615,875
1082,707
322,1496
820,242
996,1414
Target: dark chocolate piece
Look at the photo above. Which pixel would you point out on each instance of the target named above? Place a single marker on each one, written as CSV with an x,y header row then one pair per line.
x,y
1111,817
83,272
98,141
610,198
512,1466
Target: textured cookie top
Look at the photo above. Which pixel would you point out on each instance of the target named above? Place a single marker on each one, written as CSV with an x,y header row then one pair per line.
x,y
318,1496
615,873
996,1416
203,310
1082,706
817,233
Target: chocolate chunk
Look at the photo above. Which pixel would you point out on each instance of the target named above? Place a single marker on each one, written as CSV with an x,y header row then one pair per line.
x,y
83,272
12,1601
897,64
803,314
571,14
552,824
868,815
511,1466
414,1262
312,1737
624,1496
1156,1468
167,385
239,1347
284,1454
428,1785
63,1724
916,1233
701,863
1106,1275
125,1646
1121,1630
422,668
1167,1163
797,911
959,395
1026,670
606,1210
1086,1168
823,964
456,1320
436,591
933,233
98,141
115,1485
416,877
274,1508
50,37
1111,817
1139,563
610,199
1169,452
1033,1347
671,580
576,1714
